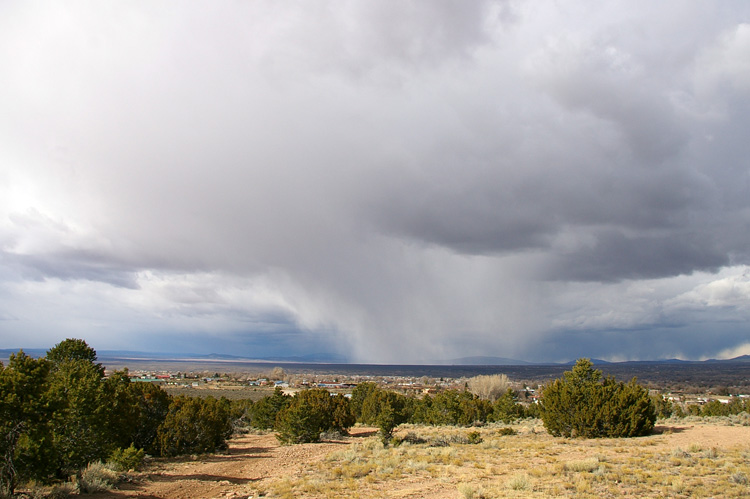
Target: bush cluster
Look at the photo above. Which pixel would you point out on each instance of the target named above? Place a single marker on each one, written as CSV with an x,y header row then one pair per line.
x,y
308,414
386,409
716,408
59,415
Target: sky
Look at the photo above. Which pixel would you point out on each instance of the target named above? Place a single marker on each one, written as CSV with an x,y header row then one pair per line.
x,y
394,182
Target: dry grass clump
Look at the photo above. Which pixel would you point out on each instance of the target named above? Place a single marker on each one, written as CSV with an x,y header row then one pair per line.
x,y
694,447
678,453
739,478
58,491
589,464
97,477
519,481
471,492
741,419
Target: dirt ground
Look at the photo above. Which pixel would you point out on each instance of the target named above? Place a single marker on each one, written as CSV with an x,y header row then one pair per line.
x,y
255,462
251,462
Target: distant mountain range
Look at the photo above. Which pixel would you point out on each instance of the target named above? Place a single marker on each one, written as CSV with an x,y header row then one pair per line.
x,y
332,358
741,358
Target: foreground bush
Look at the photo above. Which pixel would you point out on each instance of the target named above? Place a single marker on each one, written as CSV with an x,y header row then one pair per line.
x,y
24,415
195,426
97,477
581,404
126,459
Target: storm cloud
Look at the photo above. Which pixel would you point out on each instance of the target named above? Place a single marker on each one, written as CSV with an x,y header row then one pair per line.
x,y
395,183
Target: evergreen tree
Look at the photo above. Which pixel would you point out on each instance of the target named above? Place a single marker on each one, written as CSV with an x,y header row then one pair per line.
x,y
343,416
73,349
151,406
310,413
122,410
82,429
24,414
81,422
359,395
506,408
461,408
195,426
583,405
386,410
265,410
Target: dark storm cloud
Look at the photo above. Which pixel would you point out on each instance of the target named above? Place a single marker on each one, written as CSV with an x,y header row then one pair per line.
x,y
70,266
615,255
374,177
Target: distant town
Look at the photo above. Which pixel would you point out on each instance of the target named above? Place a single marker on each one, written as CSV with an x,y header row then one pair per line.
x,y
257,385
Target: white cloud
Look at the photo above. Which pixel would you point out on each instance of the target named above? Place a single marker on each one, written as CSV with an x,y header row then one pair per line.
x,y
734,352
729,289
726,64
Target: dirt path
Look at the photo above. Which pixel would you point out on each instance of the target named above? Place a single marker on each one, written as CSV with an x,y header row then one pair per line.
x,y
704,435
251,462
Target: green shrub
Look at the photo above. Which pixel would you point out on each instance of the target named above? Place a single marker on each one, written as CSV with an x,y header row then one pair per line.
x,y
386,410
152,406
360,393
453,407
195,426
25,411
717,408
663,407
581,404
126,459
263,413
474,437
506,408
